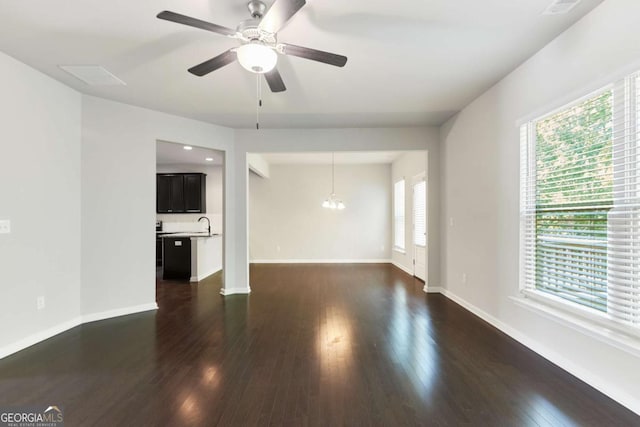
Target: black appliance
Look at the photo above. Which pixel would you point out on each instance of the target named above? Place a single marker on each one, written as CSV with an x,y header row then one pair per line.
x,y
177,258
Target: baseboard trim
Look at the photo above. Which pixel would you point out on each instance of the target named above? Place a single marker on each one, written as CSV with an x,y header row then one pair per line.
x,y
320,261
402,267
103,315
432,289
235,291
627,400
196,279
38,337
41,336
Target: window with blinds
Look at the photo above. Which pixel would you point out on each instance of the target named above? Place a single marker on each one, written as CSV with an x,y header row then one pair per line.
x,y
398,215
580,203
420,213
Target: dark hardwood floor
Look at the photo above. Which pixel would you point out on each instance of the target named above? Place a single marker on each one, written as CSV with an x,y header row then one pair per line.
x,y
323,345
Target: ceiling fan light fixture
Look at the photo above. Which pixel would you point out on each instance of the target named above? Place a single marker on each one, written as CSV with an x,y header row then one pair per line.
x,y
256,57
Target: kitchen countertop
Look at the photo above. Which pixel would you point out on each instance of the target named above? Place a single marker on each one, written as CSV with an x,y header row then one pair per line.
x,y
191,234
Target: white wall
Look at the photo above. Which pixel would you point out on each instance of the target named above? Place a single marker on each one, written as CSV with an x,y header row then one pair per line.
x,y
215,193
288,223
118,198
308,140
480,156
40,194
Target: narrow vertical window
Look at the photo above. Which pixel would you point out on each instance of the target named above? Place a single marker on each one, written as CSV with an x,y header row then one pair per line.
x,y
398,215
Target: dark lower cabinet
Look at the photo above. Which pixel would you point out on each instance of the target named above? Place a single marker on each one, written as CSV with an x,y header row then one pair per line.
x,y
181,193
176,260
158,251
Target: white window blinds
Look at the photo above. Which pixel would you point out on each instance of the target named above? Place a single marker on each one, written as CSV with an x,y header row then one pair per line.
x,y
398,215
420,213
580,202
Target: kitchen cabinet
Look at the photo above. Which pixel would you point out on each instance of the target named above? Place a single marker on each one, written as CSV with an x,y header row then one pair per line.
x,y
195,193
158,251
181,193
163,193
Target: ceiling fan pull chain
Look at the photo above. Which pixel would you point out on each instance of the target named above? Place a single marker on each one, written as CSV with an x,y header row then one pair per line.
x,y
259,91
259,103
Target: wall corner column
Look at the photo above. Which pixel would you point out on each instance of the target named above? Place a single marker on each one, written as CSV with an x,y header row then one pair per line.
x,y
236,243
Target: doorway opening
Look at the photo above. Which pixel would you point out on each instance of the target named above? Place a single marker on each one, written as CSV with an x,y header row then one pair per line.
x,y
419,240
189,213
324,207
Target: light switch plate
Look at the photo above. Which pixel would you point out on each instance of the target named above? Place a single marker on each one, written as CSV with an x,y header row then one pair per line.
x,y
5,226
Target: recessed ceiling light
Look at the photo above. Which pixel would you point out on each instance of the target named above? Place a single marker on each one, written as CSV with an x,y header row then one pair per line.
x,y
209,159
186,147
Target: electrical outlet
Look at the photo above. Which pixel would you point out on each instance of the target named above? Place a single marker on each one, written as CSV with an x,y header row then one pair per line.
x,y
464,278
40,302
278,248
382,248
451,222
5,227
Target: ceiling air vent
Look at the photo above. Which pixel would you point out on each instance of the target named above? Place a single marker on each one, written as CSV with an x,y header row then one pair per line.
x,y
559,7
93,75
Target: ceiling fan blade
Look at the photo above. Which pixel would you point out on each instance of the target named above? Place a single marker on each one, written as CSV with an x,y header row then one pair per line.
x,y
193,22
213,64
275,81
279,13
314,55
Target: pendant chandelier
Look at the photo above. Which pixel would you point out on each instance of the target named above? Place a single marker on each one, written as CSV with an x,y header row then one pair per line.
x,y
332,202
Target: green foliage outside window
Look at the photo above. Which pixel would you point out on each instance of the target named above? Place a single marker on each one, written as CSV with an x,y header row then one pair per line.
x,y
574,191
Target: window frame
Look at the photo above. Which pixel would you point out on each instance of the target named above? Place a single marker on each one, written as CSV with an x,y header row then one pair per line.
x,y
603,324
396,247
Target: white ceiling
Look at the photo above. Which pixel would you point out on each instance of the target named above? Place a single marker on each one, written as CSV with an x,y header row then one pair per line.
x,y
169,153
411,62
351,158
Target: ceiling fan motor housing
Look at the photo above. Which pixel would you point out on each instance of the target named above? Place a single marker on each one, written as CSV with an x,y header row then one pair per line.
x,y
249,31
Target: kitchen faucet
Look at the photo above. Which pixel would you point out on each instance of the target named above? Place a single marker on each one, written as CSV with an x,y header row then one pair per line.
x,y
208,222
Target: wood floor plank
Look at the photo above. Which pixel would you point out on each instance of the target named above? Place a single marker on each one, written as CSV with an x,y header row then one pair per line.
x,y
313,345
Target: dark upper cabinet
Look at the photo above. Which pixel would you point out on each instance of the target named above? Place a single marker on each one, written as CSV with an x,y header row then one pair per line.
x,y
163,193
195,197
177,193
181,193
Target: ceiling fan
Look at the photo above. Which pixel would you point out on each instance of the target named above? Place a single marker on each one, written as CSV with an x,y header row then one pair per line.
x,y
259,47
